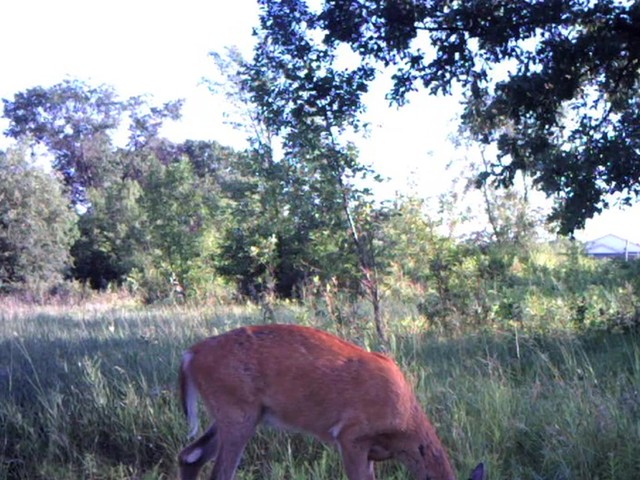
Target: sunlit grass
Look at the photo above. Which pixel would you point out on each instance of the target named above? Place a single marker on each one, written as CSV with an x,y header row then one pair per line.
x,y
90,393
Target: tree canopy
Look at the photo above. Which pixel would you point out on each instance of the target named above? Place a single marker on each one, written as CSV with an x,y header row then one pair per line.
x,y
553,83
168,218
37,225
76,121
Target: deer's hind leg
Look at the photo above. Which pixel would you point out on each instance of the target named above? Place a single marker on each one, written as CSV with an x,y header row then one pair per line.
x,y
193,457
235,429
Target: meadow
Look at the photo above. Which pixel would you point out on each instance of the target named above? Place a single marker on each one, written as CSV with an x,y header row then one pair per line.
x,y
90,392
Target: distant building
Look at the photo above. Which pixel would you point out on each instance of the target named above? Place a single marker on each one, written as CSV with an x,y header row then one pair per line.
x,y
612,246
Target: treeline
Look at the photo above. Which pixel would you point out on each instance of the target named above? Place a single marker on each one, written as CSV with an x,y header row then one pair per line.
x,y
159,218
197,221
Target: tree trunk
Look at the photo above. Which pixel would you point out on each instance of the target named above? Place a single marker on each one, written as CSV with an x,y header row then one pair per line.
x,y
367,263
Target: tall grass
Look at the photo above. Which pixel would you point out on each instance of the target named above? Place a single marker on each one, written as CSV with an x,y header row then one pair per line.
x,y
90,393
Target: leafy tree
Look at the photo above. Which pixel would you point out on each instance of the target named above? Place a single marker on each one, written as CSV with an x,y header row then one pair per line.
x,y
76,122
424,257
37,224
146,120
110,184
512,217
114,236
159,233
296,200
182,221
553,83
209,158
454,283
300,100
73,121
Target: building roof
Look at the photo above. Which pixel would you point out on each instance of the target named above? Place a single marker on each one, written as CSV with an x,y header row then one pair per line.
x,y
612,245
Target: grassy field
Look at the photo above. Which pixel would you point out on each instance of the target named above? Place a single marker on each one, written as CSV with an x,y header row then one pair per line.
x,y
90,393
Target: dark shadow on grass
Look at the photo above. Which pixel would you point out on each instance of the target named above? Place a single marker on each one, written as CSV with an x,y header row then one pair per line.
x,y
50,394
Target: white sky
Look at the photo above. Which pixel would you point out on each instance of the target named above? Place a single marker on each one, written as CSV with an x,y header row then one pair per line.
x,y
161,48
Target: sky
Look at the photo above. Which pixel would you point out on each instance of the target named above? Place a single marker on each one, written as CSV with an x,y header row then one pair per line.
x,y
162,48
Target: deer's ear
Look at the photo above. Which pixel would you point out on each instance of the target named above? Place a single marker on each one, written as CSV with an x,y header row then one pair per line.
x,y
478,472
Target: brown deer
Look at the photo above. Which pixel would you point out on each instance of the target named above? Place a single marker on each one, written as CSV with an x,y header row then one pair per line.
x,y
307,380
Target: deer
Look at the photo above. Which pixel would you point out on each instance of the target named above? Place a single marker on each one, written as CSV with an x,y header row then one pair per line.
x,y
304,379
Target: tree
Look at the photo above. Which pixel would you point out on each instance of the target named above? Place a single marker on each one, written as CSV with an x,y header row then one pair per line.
x,y
114,236
299,198
37,224
109,184
305,103
73,121
553,83
181,221
76,121
513,219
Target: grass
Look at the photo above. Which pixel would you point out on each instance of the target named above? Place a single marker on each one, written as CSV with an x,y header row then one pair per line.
x,y
90,393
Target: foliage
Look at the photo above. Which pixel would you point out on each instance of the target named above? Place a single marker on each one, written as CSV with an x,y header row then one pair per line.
x,y
37,224
180,211
553,84
456,285
151,213
301,220
113,234
76,121
174,218
306,103
159,235
292,219
437,272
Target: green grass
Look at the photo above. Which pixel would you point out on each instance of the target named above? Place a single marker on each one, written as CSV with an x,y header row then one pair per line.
x,y
90,393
